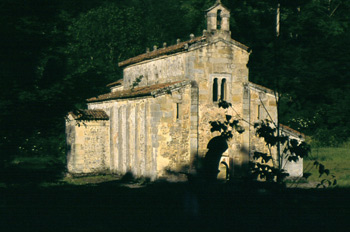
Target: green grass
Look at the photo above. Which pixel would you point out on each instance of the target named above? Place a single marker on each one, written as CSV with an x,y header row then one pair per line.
x,y
336,159
90,179
50,171
121,203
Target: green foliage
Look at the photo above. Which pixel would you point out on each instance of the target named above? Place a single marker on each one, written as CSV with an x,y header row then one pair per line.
x,y
136,82
292,151
266,129
261,170
229,126
329,180
333,158
296,149
263,166
102,37
310,54
58,53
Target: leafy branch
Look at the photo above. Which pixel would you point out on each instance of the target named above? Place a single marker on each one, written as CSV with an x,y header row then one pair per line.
x,y
136,82
327,181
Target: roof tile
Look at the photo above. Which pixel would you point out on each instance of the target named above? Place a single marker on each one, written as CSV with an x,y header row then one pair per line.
x,y
89,115
137,92
116,83
161,51
291,130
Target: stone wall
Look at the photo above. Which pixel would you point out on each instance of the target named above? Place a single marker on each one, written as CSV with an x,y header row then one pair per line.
x,y
174,117
165,69
87,146
262,106
221,60
149,135
152,134
202,63
132,136
294,169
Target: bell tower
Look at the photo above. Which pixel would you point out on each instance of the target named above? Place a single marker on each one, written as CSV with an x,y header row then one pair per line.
x,y
218,18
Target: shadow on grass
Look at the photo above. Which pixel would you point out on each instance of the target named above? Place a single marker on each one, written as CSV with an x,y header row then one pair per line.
x,y
164,206
30,173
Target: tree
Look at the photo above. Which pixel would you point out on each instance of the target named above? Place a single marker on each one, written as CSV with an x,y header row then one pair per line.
x,y
310,54
263,165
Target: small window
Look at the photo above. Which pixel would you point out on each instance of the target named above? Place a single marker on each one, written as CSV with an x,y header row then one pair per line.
x,y
177,110
218,19
258,112
215,90
223,89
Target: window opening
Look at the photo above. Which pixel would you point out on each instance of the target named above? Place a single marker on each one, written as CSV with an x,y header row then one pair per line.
x,y
177,110
259,112
223,89
215,90
218,19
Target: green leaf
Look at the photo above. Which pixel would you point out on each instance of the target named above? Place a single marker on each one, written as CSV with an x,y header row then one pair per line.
x,y
334,182
326,171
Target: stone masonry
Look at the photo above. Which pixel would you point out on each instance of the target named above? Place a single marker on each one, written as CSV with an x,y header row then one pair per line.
x,y
163,123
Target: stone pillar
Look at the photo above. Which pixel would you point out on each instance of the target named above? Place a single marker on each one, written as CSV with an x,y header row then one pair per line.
x,y
194,121
225,23
131,132
70,143
121,150
211,22
112,116
136,164
245,150
246,117
148,140
143,138
114,119
156,115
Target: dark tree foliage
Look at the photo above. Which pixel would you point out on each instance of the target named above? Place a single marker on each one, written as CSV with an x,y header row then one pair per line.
x,y
292,151
55,54
308,64
35,90
263,165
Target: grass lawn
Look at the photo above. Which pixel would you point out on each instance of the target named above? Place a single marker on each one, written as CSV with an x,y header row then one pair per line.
x,y
336,159
128,205
38,198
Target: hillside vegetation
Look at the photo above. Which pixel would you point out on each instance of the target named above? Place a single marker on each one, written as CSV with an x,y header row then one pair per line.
x,y
55,54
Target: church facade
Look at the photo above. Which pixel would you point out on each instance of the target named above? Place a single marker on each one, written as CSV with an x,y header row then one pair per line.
x,y
157,118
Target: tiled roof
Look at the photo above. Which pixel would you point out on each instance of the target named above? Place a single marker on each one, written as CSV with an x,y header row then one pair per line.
x,y
152,90
161,51
260,87
89,115
116,83
290,130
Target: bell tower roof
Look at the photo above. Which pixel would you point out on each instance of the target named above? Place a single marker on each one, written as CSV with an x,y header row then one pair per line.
x,y
217,3
218,18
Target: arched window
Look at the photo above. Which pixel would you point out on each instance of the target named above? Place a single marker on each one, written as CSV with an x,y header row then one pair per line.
x,y
218,20
215,90
177,110
223,89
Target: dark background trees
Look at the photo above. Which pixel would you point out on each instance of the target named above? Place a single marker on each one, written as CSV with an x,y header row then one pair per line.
x,y
55,54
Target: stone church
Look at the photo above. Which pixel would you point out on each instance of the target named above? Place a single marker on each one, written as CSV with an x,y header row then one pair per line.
x,y
157,117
